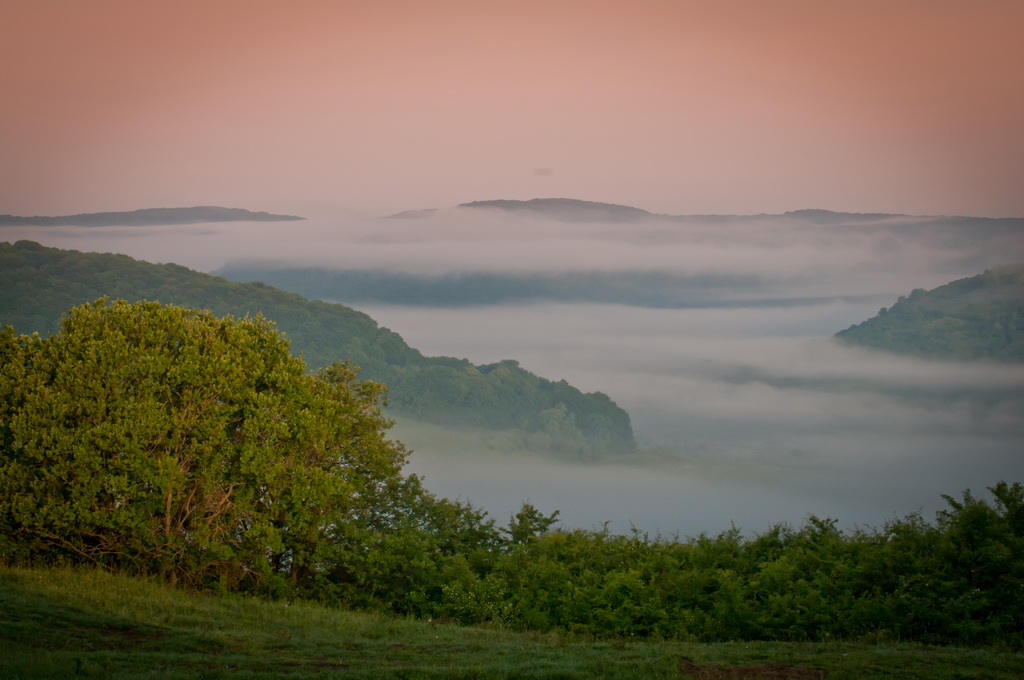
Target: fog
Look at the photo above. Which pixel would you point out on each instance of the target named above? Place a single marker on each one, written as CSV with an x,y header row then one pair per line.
x,y
745,414
875,256
740,420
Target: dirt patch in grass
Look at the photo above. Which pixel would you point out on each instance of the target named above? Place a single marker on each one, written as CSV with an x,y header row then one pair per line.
x,y
775,672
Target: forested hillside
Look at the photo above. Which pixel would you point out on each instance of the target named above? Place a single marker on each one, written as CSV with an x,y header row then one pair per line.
x,y
39,284
981,317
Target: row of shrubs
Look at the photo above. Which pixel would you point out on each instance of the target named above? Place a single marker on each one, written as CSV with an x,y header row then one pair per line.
x,y
956,580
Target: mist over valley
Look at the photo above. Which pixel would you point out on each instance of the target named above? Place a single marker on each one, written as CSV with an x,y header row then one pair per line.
x,y
713,332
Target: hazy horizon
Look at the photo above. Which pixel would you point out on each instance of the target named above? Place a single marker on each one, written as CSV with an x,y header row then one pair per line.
x,y
378,106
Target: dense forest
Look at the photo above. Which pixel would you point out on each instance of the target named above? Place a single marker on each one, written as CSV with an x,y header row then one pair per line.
x,y
980,317
156,440
38,284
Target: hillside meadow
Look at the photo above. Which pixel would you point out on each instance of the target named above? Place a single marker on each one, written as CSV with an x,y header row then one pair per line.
x,y
84,623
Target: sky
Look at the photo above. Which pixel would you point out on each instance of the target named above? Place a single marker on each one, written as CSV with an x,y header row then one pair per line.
x,y
370,107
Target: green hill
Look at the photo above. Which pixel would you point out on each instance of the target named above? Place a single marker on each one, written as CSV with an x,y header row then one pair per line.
x,y
981,317
38,284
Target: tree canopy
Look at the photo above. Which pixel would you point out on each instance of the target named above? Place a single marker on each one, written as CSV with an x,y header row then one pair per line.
x,y
979,317
145,438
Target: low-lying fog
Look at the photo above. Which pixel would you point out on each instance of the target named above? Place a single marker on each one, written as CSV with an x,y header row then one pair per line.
x,y
745,414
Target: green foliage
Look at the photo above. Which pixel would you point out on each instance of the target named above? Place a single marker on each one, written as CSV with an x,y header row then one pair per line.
x,y
981,317
959,580
38,284
152,439
984,546
63,623
529,524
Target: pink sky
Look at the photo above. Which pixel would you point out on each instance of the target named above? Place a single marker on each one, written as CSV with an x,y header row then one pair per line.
x,y
376,106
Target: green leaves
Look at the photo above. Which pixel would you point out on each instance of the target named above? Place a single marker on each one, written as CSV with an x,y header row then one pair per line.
x,y
958,580
151,438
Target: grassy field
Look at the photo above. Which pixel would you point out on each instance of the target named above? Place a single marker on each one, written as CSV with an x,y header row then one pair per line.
x,y
65,623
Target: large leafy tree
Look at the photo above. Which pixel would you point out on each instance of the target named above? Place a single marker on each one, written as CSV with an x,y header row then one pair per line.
x,y
158,439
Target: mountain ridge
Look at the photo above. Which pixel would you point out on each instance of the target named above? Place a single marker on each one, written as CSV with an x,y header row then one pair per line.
x,y
569,209
577,210
149,217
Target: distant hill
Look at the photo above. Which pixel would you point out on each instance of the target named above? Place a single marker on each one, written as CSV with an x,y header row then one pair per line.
x,y
560,209
981,317
970,244
575,210
568,209
38,284
149,217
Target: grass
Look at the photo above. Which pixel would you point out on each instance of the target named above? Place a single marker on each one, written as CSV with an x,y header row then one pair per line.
x,y
74,623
